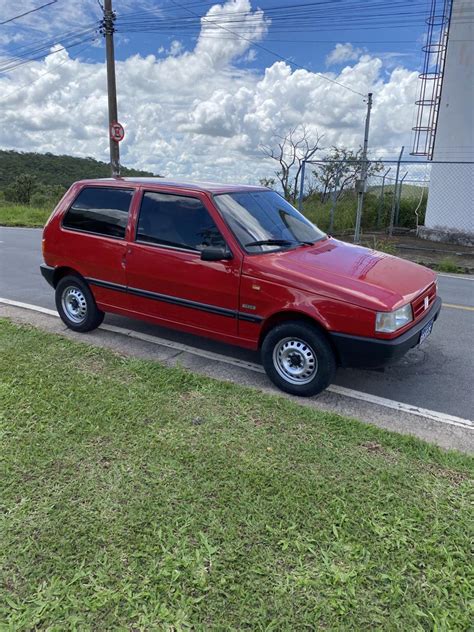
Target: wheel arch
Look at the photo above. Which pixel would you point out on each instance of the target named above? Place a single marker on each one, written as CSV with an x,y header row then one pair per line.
x,y
63,271
290,316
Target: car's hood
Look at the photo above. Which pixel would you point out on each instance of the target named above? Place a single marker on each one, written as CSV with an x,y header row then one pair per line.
x,y
345,272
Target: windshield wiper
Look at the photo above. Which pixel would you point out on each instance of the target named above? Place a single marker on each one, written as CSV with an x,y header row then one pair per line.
x,y
279,242
271,242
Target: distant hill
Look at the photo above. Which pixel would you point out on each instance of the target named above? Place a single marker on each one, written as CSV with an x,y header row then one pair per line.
x,y
55,170
408,190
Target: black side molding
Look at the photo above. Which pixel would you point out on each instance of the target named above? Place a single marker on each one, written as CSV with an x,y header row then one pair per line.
x,y
48,273
175,300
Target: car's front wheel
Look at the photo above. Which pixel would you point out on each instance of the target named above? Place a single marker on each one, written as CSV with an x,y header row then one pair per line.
x,y
298,358
76,305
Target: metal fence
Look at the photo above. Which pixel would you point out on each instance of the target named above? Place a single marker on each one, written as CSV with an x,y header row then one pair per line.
x,y
395,195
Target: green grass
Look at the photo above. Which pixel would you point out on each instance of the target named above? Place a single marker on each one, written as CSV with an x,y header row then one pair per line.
x,y
448,265
19,215
383,245
138,497
346,208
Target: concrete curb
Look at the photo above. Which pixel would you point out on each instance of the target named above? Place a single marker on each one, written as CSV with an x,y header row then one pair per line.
x,y
447,431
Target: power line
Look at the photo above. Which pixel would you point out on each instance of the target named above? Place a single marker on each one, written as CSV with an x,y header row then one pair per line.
x,y
21,50
268,50
353,12
27,85
326,5
26,56
21,15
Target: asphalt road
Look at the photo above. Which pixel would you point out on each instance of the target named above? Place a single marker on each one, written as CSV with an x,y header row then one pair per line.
x,y
438,375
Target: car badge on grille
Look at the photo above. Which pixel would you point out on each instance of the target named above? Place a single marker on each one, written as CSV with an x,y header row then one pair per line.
x,y
427,302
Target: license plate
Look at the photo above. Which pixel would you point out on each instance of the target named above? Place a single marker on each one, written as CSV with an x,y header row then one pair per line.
x,y
425,332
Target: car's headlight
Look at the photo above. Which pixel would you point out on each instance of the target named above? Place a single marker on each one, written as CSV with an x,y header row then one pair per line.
x,y
388,322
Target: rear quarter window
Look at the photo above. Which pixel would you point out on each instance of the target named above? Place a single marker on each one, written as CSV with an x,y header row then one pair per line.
x,y
100,210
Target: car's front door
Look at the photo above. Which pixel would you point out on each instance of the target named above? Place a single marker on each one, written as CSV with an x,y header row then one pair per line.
x,y
166,277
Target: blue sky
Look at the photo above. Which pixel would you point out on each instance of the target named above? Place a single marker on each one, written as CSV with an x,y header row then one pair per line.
x,y
207,88
305,34
395,30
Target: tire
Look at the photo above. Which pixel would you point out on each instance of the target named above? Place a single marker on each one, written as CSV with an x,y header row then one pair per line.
x,y
298,358
76,305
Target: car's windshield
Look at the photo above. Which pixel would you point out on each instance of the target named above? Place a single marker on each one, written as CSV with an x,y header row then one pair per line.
x,y
264,221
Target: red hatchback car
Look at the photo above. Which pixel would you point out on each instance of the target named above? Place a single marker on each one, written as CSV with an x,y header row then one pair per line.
x,y
237,264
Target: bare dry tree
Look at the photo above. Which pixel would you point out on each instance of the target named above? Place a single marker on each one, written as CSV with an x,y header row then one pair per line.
x,y
339,170
290,151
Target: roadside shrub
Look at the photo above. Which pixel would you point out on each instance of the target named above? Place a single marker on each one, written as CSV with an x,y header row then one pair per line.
x,y
448,265
383,245
346,210
407,217
39,199
47,196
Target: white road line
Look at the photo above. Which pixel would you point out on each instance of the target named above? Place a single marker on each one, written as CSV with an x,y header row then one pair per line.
x,y
162,342
458,277
33,308
37,228
401,407
156,340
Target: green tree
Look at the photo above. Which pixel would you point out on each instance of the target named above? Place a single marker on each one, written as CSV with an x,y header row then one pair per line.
x,y
21,189
54,170
339,170
268,182
47,195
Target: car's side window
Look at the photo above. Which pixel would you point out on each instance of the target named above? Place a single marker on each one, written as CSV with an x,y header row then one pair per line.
x,y
100,210
178,221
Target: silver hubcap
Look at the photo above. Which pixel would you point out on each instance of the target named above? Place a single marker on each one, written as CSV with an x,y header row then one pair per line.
x,y
74,304
295,361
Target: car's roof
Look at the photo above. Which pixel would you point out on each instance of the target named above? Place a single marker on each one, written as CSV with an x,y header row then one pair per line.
x,y
210,187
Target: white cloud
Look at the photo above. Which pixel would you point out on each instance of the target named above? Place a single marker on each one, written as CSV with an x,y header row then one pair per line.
x,y
54,19
197,113
251,55
10,38
176,48
58,19
342,53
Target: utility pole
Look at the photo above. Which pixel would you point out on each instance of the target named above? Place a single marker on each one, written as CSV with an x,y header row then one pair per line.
x,y
332,212
108,28
301,192
362,183
395,189
399,196
382,200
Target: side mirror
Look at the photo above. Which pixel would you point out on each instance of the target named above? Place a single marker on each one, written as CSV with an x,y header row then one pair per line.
x,y
215,253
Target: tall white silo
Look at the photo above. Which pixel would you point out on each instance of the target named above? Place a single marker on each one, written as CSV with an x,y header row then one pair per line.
x,y
450,210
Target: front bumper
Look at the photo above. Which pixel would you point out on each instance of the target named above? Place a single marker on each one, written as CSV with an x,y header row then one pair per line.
x,y
372,353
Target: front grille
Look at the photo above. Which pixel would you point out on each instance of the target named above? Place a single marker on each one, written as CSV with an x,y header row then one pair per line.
x,y
418,305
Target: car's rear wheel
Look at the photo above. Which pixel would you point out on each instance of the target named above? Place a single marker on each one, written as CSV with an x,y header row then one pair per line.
x,y
76,305
298,358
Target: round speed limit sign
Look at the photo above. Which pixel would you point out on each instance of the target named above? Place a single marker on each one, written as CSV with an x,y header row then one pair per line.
x,y
116,132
